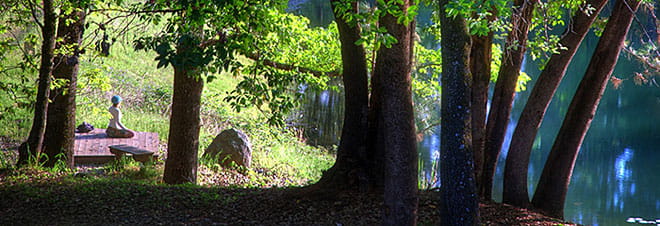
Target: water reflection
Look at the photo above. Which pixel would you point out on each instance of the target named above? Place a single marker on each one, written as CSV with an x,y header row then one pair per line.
x,y
622,172
320,115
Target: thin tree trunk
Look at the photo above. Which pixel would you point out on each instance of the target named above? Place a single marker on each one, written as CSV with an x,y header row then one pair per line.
x,y
517,162
34,143
480,58
60,129
505,89
396,122
349,171
460,203
183,141
551,191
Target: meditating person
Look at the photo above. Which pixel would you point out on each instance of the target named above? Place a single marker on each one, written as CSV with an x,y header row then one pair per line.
x,y
115,128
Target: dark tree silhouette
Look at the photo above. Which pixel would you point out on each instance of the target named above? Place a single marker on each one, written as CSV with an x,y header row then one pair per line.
x,y
60,128
505,89
460,203
396,121
183,140
34,143
351,165
481,55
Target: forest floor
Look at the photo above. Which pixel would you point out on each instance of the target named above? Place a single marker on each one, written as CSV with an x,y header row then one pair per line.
x,y
97,197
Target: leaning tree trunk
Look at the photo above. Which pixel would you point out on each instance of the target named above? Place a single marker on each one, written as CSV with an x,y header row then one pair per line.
x,y
460,203
480,58
183,141
60,129
517,161
349,171
397,122
505,89
34,143
551,191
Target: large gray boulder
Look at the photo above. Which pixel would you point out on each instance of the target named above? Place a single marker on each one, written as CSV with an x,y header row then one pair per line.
x,y
229,146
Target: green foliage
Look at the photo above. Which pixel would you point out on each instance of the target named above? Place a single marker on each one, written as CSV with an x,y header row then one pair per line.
x,y
648,55
547,17
426,88
34,165
424,181
367,17
300,165
61,165
19,39
521,84
495,64
127,168
273,90
599,25
204,37
7,159
17,91
296,43
479,15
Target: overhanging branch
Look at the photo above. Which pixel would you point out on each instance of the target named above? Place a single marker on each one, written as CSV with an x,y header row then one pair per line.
x,y
643,60
138,11
290,67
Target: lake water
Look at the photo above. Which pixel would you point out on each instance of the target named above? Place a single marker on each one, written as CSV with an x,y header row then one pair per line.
x,y
617,173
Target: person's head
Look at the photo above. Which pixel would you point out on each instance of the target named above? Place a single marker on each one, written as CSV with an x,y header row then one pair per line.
x,y
116,99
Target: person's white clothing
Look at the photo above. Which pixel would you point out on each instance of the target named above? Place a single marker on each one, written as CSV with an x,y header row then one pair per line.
x,y
115,121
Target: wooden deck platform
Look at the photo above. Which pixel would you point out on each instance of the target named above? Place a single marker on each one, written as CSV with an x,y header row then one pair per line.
x,y
92,147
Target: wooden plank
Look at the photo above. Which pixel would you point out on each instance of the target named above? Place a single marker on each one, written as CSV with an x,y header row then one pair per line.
x,y
137,153
130,149
92,147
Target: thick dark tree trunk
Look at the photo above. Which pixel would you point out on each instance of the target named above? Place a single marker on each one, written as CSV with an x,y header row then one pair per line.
x,y
183,141
34,142
349,171
505,89
375,138
517,162
480,58
551,191
460,203
60,129
397,123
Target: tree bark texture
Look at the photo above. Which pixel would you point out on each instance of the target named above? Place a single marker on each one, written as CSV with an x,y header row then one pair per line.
x,y
480,58
517,162
460,203
61,123
396,122
375,135
183,141
551,191
505,89
350,168
34,143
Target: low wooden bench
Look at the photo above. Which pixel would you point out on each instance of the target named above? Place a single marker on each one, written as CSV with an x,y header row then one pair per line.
x,y
137,153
